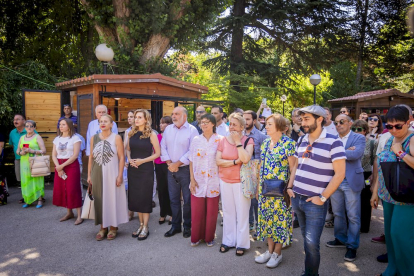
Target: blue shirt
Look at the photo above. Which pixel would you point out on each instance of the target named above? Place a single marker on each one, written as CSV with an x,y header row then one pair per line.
x,y
73,118
258,138
82,148
14,139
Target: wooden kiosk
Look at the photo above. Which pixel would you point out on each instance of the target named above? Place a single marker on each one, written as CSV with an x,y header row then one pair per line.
x,y
120,93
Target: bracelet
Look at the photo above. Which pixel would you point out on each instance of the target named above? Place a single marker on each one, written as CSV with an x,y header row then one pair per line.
x,y
234,162
289,188
402,155
238,146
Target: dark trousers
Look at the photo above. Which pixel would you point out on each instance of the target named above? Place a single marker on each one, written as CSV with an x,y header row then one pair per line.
x,y
366,208
179,182
161,172
253,212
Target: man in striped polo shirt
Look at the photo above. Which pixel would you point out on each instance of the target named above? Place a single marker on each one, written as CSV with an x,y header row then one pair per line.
x,y
319,170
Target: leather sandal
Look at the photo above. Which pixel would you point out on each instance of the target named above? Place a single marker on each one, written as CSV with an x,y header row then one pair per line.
x,y
101,234
224,248
78,221
111,234
67,217
136,233
144,233
240,249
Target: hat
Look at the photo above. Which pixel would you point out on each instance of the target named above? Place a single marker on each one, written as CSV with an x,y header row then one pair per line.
x,y
314,109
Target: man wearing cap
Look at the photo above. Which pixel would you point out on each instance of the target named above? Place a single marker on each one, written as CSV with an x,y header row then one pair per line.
x,y
318,171
67,109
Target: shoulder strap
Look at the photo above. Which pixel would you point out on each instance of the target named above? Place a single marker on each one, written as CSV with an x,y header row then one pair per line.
x,y
406,143
371,150
264,159
245,142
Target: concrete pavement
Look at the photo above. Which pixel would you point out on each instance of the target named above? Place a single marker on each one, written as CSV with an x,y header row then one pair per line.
x,y
34,242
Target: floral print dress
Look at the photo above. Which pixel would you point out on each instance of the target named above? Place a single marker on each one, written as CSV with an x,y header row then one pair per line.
x,y
275,217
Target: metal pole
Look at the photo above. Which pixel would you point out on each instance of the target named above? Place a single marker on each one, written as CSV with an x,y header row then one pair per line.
x,y
314,94
104,67
283,109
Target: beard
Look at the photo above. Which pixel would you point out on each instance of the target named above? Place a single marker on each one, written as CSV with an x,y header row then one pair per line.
x,y
311,128
249,127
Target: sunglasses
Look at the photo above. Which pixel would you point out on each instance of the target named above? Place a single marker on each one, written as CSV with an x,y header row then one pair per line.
x,y
373,119
342,112
29,126
397,126
357,129
307,152
200,112
340,122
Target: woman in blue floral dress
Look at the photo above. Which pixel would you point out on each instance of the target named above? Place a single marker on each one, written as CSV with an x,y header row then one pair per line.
x,y
275,216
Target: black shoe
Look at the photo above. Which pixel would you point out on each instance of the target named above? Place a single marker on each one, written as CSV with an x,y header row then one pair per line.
x,y
295,224
153,204
335,244
172,232
187,233
383,258
350,255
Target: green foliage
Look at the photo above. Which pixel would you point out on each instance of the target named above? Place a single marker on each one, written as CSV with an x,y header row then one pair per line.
x,y
11,85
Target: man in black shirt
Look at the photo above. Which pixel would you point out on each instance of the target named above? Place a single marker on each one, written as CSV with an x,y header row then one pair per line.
x,y
297,130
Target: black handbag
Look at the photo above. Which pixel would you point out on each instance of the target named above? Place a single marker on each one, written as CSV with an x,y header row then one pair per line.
x,y
399,178
272,187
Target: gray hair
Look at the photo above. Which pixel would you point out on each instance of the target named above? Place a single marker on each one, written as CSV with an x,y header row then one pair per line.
x,y
294,110
101,105
410,111
327,109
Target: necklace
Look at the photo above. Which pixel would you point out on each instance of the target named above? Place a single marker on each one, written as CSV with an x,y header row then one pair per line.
x,y
103,137
30,136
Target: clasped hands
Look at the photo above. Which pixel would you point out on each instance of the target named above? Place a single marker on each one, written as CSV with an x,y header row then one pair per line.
x,y
173,167
135,162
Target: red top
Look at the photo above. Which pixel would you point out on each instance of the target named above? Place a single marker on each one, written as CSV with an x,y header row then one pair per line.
x,y
158,160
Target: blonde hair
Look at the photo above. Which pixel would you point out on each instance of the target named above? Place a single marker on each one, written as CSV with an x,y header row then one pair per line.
x,y
237,116
279,120
107,115
147,127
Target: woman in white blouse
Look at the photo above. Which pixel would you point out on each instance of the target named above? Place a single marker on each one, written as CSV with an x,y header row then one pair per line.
x,y
67,191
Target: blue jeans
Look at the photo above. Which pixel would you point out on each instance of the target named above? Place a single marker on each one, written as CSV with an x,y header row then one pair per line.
x,y
311,220
181,183
253,212
347,204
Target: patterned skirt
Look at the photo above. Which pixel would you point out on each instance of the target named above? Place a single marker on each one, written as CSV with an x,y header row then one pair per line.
x,y
275,220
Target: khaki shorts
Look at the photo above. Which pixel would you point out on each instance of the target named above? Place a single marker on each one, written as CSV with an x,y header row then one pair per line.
x,y
17,169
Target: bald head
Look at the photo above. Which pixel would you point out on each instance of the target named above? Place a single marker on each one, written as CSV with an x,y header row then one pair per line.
x,y
200,111
343,124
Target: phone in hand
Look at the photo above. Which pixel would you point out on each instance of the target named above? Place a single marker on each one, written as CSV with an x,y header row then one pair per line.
x,y
264,100
26,146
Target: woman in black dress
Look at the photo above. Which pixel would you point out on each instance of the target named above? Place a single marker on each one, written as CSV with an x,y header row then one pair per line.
x,y
143,148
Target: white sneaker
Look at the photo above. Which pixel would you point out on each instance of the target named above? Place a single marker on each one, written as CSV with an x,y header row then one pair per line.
x,y
263,258
274,261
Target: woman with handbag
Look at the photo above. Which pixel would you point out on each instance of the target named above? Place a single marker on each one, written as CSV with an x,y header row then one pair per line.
x,y
67,192
205,184
361,127
33,188
105,179
398,207
231,153
275,212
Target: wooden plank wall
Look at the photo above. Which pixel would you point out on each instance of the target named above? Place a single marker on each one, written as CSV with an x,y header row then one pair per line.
x,y
167,108
125,105
85,115
44,109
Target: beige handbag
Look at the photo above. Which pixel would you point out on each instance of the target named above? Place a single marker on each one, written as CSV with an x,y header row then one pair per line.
x,y
88,209
39,165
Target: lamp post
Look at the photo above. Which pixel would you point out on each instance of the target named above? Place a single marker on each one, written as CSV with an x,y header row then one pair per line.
x,y
314,80
283,98
104,54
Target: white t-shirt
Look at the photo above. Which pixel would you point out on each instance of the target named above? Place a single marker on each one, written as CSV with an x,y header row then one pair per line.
x,y
331,129
64,146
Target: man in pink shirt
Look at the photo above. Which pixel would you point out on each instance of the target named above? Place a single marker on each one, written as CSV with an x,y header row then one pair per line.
x,y
175,147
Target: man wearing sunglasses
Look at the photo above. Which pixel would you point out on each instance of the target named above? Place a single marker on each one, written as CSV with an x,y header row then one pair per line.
x,y
200,111
318,171
344,110
346,200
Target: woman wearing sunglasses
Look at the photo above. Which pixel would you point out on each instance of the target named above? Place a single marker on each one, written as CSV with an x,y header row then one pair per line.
x,y
375,127
361,127
33,188
398,216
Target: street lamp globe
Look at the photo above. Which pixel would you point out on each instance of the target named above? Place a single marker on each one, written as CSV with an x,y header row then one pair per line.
x,y
315,79
104,53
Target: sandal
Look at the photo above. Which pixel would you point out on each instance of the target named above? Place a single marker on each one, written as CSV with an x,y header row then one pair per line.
x,y
112,234
240,249
224,248
329,224
67,217
136,233
78,221
195,243
144,233
101,234
39,204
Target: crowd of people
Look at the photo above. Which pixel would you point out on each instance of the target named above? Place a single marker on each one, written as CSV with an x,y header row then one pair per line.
x,y
330,172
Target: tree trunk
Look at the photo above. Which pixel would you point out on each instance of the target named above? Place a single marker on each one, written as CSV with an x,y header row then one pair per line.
x,y
236,50
360,63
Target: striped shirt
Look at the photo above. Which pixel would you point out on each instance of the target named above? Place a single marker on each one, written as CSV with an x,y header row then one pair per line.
x,y
313,174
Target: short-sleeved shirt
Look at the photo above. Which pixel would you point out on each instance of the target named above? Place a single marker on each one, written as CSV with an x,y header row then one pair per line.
x,y
203,156
65,146
229,152
258,138
313,174
82,148
14,139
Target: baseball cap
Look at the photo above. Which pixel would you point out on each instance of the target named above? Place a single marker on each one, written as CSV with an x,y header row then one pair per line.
x,y
314,109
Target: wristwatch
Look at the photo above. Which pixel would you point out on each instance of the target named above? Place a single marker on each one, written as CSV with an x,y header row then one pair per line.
x,y
323,199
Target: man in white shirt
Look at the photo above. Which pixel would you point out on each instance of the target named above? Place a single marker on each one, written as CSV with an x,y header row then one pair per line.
x,y
329,125
93,127
221,128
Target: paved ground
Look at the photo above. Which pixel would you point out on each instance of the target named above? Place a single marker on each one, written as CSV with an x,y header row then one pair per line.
x,y
34,242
